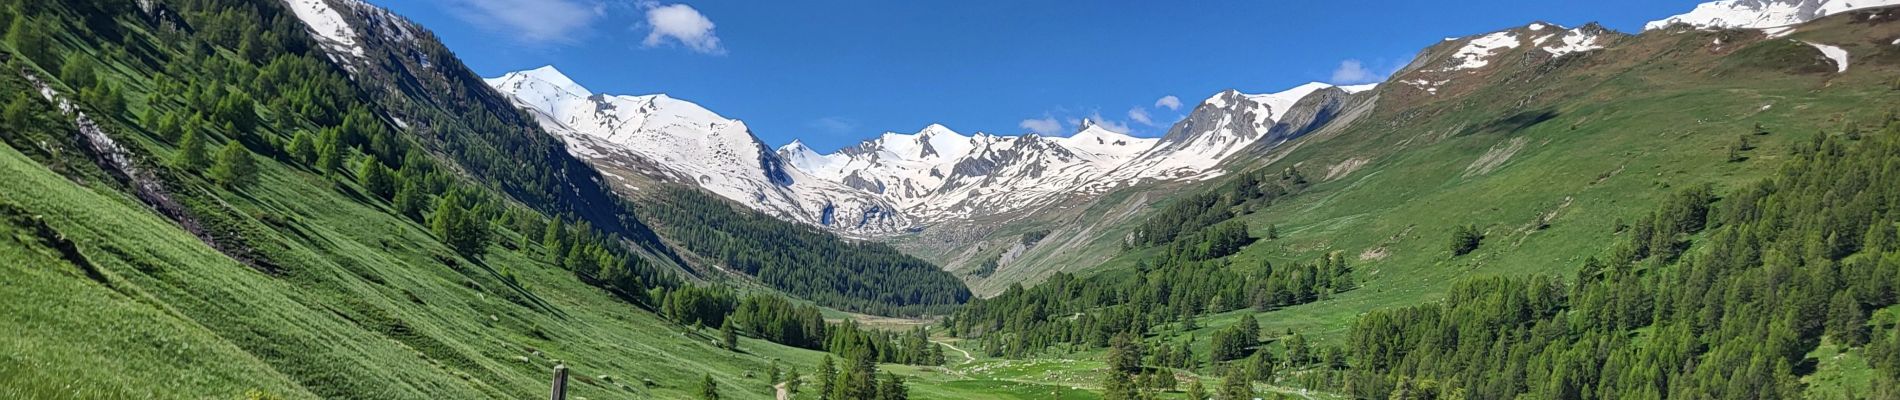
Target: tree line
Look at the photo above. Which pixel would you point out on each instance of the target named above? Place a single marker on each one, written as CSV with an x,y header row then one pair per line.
x,y
1705,297
849,275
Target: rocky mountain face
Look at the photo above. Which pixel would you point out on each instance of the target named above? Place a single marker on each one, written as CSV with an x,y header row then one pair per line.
x,y
692,145
903,182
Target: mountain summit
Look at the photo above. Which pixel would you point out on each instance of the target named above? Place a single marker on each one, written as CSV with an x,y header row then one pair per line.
x,y
1762,14
898,182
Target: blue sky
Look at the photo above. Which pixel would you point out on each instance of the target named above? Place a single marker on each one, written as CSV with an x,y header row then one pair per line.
x,y
836,72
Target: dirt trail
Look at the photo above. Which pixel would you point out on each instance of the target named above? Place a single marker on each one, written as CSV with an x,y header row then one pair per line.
x,y
966,354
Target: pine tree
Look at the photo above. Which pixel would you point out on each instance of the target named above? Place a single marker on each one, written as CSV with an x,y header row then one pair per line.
x,y
30,40
1846,323
459,228
410,200
708,389
192,154
892,388
330,151
234,168
1124,354
376,178
303,148
1116,386
772,376
793,381
728,337
19,113
1235,386
827,378
1195,391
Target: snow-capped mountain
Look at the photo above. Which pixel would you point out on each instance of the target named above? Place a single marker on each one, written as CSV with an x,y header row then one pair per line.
x,y
695,145
938,173
1227,123
900,181
1772,15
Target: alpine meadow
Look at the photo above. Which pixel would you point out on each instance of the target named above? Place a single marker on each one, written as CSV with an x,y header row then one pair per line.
x,y
299,199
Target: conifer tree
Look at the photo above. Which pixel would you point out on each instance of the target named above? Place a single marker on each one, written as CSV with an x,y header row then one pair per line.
x,y
192,154
234,168
708,389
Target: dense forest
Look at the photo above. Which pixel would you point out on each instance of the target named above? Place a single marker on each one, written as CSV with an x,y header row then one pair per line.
x,y
849,275
1171,288
1242,194
1705,298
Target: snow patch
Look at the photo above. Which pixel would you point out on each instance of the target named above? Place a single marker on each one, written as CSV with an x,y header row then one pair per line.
x,y
1763,14
1573,41
1839,55
328,24
1477,52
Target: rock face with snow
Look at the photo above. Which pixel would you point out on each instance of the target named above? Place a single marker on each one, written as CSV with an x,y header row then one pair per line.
x,y
1230,121
898,182
1762,14
1461,62
697,146
938,174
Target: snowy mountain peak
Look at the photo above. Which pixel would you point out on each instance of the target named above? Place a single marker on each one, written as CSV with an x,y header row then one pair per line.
x,y
1279,103
1762,14
691,144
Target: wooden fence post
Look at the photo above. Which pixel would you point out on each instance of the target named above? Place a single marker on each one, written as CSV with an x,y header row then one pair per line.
x,y
559,390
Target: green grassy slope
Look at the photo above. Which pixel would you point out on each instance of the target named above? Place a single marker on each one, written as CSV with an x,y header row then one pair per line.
x,y
1547,157
342,295
1626,126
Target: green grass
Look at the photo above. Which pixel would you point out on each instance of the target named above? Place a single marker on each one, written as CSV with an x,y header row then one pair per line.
x,y
1627,128
363,308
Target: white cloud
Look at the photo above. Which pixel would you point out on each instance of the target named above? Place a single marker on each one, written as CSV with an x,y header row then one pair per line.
x,y
682,24
534,21
1140,115
1169,102
1046,125
1354,72
836,125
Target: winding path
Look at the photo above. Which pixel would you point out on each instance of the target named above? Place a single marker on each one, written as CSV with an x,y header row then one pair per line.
x,y
966,354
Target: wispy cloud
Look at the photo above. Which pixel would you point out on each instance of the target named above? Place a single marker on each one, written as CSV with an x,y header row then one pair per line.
x,y
1169,102
1352,71
532,21
682,24
834,125
1140,115
1046,125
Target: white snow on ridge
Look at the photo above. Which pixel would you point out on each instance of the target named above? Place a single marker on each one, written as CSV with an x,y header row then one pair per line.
x,y
1571,41
1763,14
329,26
896,181
1278,103
1355,89
1477,52
1839,55
695,144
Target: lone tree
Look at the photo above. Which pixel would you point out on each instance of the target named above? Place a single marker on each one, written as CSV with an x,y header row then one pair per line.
x,y
461,229
234,169
1465,239
191,152
728,336
708,389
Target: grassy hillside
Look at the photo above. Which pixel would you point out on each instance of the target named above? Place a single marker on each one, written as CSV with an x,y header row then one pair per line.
x,y
136,270
1551,159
